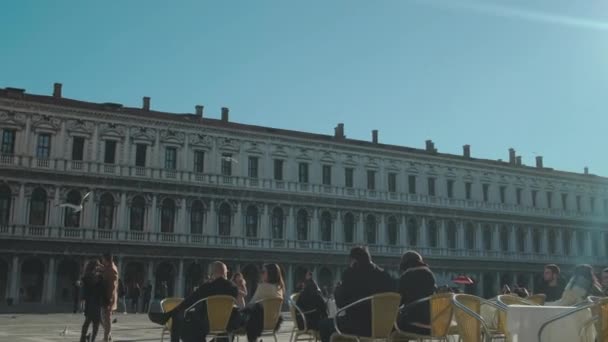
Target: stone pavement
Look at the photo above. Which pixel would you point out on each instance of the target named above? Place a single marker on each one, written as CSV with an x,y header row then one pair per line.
x,y
50,328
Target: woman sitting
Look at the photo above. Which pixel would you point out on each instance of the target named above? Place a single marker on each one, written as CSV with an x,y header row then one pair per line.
x,y
272,286
582,284
416,282
312,304
241,284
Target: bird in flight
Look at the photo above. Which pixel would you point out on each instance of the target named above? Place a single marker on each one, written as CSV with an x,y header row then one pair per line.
x,y
230,159
74,207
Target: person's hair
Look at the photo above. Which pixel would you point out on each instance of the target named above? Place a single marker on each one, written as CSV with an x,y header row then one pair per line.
x,y
586,271
521,292
410,259
275,277
107,256
90,267
235,275
361,255
553,268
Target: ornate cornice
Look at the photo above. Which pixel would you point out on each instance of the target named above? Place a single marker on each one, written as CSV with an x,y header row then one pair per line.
x,y
10,119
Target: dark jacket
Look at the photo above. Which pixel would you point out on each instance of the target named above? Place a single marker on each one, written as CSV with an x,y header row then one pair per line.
x,y
359,282
416,283
93,293
552,293
313,305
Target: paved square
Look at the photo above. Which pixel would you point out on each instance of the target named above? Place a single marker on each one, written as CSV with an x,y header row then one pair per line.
x,y
51,327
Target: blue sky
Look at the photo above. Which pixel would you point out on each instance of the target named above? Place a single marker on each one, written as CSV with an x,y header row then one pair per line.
x,y
532,75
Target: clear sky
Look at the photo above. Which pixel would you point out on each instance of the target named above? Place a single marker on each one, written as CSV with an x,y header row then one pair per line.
x,y
532,75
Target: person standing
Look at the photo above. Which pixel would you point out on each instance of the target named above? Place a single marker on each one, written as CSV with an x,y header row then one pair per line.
x,y
76,295
552,287
110,300
147,297
93,292
241,284
122,296
135,292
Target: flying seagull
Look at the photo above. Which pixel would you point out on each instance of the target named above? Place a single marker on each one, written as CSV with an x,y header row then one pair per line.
x,y
74,207
64,332
230,159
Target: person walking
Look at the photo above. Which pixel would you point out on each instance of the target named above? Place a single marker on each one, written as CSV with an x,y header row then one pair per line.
x,y
76,287
93,292
147,296
122,297
135,292
110,298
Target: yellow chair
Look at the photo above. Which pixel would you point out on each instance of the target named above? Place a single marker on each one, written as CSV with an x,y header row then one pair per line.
x,y
167,305
441,319
507,300
219,310
471,326
384,307
272,312
296,334
599,311
538,299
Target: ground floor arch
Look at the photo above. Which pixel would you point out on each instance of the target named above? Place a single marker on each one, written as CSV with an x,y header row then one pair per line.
x,y
68,273
165,280
32,281
195,276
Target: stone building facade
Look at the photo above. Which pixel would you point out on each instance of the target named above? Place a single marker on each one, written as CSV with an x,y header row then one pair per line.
x,y
168,193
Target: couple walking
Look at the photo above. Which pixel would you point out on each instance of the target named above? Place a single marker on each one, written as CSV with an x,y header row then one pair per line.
x,y
100,285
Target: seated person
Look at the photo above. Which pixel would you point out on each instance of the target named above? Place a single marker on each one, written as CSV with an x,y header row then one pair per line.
x,y
195,328
416,282
272,286
362,279
312,304
582,284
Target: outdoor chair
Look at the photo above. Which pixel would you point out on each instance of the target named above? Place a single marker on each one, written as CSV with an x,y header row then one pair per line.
x,y
599,319
305,333
441,319
471,326
167,305
384,307
219,311
538,299
272,312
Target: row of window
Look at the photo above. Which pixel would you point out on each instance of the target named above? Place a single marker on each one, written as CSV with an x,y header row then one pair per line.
x,y
137,222
44,147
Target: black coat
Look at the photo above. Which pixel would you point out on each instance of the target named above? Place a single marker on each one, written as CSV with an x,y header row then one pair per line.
x,y
416,283
313,305
359,282
93,292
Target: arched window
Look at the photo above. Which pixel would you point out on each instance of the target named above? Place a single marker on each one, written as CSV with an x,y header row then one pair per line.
x,y
138,210
452,235
38,207
551,241
326,223
277,223
251,223
469,236
370,229
105,219
487,237
432,234
567,241
349,228
197,214
504,238
521,239
71,216
536,240
302,225
412,232
392,231
167,216
225,219
5,204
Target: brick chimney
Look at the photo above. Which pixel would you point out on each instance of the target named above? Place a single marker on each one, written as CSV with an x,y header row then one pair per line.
x,y
518,160
375,136
339,131
225,112
57,90
586,170
146,103
466,151
512,156
539,162
199,110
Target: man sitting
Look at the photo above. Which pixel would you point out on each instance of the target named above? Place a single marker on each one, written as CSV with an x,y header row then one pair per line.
x,y
362,279
196,327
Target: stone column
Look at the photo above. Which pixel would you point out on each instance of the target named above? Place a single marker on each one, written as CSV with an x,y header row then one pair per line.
x,y
90,207
55,212
338,228
531,283
589,243
496,238
49,282
14,280
21,206
544,244
238,229
574,244
382,231
95,144
528,247
359,229
150,277
315,234
182,218
443,238
403,231
26,138
498,282
478,237
290,286
152,215
122,220
559,242
290,229
512,239
423,233
210,228
460,235
265,232
480,286
179,281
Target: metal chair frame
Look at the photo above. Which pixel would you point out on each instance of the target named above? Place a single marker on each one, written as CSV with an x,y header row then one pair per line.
x,y
296,332
408,335
485,330
578,308
215,334
162,309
